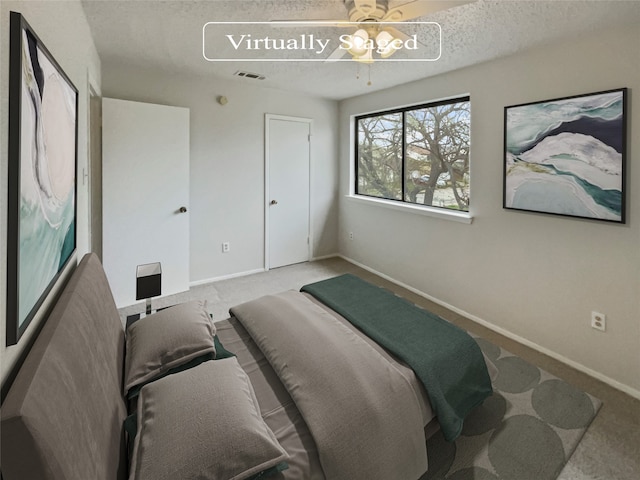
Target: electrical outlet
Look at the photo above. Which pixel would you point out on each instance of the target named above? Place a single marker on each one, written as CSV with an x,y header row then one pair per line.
x,y
598,321
350,235
225,247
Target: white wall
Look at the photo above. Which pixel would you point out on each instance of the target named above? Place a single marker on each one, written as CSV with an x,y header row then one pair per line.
x,y
532,275
63,28
227,162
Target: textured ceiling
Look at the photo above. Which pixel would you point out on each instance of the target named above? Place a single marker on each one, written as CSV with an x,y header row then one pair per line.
x,y
168,36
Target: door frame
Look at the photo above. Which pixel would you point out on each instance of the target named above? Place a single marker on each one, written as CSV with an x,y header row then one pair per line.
x,y
94,166
267,182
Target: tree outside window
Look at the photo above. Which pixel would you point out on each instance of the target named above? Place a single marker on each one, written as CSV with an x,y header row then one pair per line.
x,y
418,155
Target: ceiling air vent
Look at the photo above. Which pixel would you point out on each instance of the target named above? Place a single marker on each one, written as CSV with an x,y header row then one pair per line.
x,y
253,76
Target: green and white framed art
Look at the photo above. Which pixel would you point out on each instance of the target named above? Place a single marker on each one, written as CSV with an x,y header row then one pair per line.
x,y
42,172
566,156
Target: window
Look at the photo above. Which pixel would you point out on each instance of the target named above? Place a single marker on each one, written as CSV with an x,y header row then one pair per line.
x,y
418,155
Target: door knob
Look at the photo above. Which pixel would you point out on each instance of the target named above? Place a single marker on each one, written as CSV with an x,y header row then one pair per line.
x,y
274,202
183,210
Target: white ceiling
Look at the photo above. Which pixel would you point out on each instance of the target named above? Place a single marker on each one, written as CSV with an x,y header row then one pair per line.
x,y
168,36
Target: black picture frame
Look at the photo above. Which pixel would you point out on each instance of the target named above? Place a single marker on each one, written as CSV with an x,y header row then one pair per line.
x,y
567,156
42,175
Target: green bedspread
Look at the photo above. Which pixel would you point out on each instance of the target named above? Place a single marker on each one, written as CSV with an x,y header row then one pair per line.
x,y
447,359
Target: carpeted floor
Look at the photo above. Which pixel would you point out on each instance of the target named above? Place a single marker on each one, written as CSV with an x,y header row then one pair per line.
x,y
609,450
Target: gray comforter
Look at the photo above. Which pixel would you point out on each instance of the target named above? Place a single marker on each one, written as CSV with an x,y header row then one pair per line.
x,y
362,411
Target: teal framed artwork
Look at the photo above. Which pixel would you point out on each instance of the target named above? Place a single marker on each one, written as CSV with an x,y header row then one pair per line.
x,y
566,156
42,172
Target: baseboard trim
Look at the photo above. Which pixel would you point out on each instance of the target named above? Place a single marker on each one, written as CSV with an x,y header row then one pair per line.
x,y
502,331
196,283
325,257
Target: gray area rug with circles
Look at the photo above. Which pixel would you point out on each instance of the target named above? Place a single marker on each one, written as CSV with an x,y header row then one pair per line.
x,y
526,430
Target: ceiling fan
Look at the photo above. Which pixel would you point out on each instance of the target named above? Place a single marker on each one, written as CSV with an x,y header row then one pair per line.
x,y
373,20
362,10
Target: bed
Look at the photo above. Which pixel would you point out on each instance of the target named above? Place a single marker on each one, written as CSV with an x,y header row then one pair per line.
x,y
285,388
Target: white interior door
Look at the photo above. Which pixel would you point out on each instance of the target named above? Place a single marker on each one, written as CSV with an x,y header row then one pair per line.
x,y
145,183
287,190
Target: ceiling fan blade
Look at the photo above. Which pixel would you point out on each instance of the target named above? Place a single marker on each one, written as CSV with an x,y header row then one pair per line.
x,y
397,33
365,6
336,55
401,35
420,8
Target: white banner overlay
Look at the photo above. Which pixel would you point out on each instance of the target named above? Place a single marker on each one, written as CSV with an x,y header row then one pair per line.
x,y
321,41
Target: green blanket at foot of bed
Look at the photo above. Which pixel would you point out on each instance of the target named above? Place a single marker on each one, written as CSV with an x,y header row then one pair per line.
x,y
447,359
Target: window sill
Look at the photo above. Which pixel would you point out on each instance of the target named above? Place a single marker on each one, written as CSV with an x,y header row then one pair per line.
x,y
461,217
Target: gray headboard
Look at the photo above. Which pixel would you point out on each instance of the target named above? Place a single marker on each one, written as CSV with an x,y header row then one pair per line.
x,y
62,417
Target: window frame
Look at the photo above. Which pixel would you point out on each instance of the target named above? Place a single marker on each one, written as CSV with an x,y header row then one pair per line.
x,y
402,202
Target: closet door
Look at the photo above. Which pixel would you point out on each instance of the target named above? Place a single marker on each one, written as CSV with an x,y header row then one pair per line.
x,y
145,185
287,190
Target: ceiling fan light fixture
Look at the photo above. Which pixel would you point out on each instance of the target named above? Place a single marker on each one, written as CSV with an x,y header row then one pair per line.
x,y
359,42
366,58
385,44
384,37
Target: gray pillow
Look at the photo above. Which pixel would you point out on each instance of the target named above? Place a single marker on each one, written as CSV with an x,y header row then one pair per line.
x,y
166,340
202,423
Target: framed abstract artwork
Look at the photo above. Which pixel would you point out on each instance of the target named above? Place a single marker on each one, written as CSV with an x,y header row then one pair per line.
x,y
567,156
42,172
